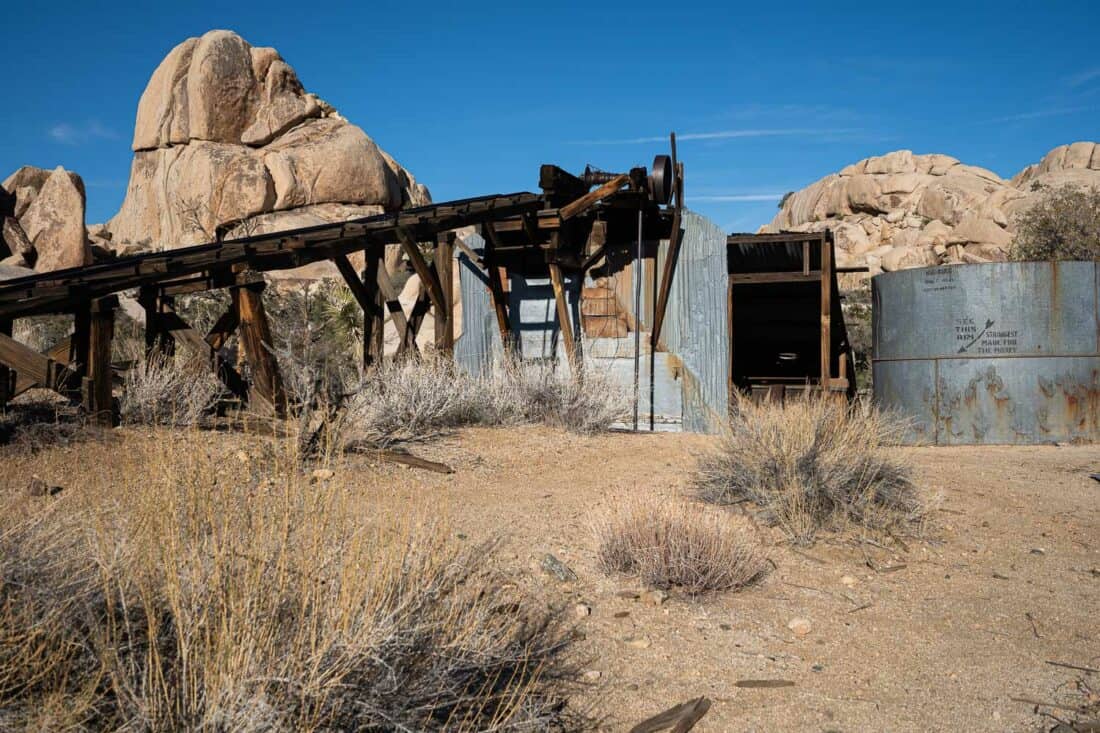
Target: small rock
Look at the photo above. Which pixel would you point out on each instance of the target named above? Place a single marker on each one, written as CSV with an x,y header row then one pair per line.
x,y
848,581
581,610
38,487
818,668
621,614
1000,576
630,595
654,597
638,642
592,675
800,626
322,474
725,627
557,568
1038,551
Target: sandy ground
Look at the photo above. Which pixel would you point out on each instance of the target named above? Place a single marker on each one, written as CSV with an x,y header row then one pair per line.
x,y
941,640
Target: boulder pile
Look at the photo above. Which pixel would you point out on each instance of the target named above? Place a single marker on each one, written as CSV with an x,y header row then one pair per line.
x,y
42,219
902,210
227,143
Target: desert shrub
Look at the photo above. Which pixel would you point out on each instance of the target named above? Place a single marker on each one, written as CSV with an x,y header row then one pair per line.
x,y
1064,225
676,543
42,332
182,593
813,464
168,389
415,399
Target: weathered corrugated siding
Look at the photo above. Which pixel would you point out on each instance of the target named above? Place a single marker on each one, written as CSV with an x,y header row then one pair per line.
x,y
993,353
691,380
696,329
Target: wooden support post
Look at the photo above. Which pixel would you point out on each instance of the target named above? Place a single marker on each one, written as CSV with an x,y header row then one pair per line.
x,y
565,324
96,387
256,342
7,376
156,333
427,276
392,301
374,315
496,290
444,269
826,311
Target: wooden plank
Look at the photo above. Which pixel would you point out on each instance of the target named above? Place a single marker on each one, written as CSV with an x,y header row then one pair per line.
x,y
374,315
565,324
98,401
393,305
25,360
680,719
496,291
826,276
59,354
427,276
586,201
223,328
757,278
7,375
256,341
443,264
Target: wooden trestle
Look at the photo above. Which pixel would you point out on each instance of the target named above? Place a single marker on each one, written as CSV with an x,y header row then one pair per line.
x,y
548,233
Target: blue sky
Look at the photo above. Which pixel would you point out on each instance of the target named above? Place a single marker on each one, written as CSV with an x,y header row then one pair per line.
x,y
766,97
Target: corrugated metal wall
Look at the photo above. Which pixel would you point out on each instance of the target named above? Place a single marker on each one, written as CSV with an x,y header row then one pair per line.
x,y
692,379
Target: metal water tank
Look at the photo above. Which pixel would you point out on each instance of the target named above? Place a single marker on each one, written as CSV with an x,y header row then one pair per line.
x,y
1005,352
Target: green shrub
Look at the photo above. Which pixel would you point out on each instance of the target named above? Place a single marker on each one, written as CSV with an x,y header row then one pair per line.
x,y
1064,225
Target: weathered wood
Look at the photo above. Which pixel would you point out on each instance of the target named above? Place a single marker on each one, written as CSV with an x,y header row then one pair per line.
x,y
759,278
393,305
565,324
581,204
25,361
7,375
176,329
59,353
680,718
443,264
669,271
97,383
374,314
420,265
826,311
256,342
223,328
496,291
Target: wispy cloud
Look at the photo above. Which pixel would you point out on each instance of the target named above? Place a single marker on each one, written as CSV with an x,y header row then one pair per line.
x,y
68,133
1041,113
1084,77
719,135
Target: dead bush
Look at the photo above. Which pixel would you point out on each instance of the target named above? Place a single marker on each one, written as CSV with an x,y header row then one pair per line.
x,y
675,543
416,399
168,389
813,464
183,591
1064,225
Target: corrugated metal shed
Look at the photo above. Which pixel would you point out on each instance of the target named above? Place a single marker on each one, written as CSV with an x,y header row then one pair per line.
x,y
691,378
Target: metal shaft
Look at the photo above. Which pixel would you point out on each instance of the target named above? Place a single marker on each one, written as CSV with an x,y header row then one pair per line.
x,y
637,315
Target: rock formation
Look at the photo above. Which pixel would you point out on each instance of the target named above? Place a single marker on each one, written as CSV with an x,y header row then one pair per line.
x,y
902,210
227,142
43,220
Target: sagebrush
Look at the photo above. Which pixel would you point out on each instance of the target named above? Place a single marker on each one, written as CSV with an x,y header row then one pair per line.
x,y
181,589
162,388
668,543
1063,225
814,464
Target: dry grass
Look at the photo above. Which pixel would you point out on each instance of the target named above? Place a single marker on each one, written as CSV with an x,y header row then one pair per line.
x,y
189,590
679,544
168,389
812,465
417,399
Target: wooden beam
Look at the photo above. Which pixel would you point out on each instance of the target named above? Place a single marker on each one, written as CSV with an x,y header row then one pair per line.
x,y
374,314
98,400
7,375
256,342
826,276
669,271
582,204
393,305
759,278
59,353
427,276
443,265
565,324
223,328
176,329
28,363
496,291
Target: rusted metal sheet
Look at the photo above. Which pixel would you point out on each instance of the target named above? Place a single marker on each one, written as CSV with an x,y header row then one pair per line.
x,y
1003,353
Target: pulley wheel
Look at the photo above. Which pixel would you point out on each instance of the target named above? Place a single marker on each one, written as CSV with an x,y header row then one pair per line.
x,y
660,180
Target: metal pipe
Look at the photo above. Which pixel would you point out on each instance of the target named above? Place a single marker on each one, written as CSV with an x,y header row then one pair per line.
x,y
637,314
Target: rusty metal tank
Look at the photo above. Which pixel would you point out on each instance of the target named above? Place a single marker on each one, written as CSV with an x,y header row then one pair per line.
x,y
998,353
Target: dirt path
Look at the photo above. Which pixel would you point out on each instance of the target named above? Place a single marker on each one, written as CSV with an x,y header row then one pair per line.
x,y
941,642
